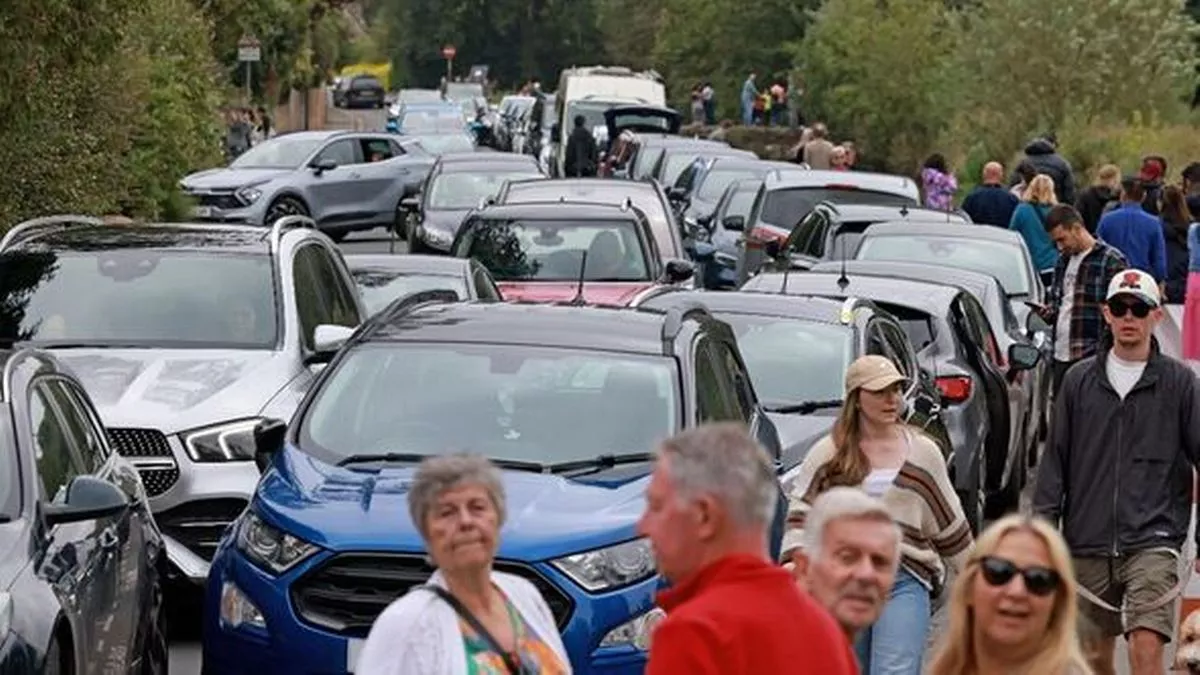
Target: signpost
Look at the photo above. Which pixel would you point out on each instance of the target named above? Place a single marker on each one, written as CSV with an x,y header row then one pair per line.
x,y
249,53
448,53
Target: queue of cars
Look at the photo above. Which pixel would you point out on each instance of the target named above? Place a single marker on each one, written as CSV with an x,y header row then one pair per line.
x,y
258,401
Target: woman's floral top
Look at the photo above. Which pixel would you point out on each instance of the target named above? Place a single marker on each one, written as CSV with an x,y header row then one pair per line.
x,y
939,189
534,655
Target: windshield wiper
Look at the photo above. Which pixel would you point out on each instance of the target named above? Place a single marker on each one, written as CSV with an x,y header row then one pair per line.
x,y
804,407
600,462
413,458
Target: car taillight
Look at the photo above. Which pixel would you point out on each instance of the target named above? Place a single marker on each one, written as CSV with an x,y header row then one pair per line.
x,y
954,389
765,234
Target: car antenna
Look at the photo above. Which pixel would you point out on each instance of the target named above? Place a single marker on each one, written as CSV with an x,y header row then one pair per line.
x,y
904,211
579,300
843,281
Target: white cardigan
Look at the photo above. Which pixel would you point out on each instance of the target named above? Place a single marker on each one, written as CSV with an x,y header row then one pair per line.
x,y
419,634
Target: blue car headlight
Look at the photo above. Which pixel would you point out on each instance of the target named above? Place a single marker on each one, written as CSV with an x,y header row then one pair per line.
x,y
610,567
269,547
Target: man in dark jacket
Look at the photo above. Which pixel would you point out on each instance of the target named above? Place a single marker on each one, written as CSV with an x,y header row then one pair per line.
x,y
990,203
1190,177
1042,153
1153,169
582,154
1092,202
1117,476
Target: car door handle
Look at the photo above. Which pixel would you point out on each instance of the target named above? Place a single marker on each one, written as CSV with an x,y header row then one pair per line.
x,y
109,539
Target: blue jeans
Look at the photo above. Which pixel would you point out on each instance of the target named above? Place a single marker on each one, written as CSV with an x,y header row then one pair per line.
x,y
896,643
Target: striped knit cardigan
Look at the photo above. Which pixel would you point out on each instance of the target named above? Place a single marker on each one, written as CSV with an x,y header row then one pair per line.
x,y
922,500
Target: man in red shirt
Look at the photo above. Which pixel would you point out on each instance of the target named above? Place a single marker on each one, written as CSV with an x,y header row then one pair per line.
x,y
729,610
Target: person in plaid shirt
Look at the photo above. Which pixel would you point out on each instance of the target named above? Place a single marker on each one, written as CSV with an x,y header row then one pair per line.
x,y
1073,309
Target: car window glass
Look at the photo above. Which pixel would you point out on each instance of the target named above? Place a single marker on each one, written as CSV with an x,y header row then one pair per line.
x,y
397,149
981,328
80,424
876,345
376,149
56,459
337,294
715,402
342,151
737,378
485,288
309,302
685,178
897,345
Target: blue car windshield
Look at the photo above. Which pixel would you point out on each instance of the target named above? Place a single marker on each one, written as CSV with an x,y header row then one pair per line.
x,y
792,360
525,403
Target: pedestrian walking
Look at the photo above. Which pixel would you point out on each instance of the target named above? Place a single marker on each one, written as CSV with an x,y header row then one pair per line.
x,y
1025,173
1042,155
990,202
1096,198
1176,221
1013,609
1190,179
938,184
1117,477
872,449
582,154
806,137
1076,298
779,104
749,96
467,618
237,134
730,611
265,128
1154,168
850,557
698,116
851,154
1029,221
1135,233
818,151
838,160
709,96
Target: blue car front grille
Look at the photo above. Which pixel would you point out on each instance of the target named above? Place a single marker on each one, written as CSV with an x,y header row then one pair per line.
x,y
346,593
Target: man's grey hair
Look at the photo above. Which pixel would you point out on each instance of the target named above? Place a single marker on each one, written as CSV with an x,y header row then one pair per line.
x,y
436,475
843,503
723,460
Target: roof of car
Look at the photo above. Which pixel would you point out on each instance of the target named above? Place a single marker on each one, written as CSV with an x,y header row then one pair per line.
x,y
882,214
438,265
702,147
475,156
930,297
598,183
978,283
483,165
545,325
556,209
862,179
669,141
929,229
175,236
824,310
744,162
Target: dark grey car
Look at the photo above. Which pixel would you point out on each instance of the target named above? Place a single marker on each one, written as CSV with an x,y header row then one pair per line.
x,y
381,278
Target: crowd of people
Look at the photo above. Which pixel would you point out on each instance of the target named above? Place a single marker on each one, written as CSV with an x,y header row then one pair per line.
x,y
245,128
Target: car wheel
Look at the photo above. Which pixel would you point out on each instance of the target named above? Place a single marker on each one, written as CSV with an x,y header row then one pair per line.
x,y
54,661
285,206
415,244
156,659
400,223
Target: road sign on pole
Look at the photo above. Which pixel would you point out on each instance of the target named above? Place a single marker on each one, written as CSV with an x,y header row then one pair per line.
x,y
249,53
448,53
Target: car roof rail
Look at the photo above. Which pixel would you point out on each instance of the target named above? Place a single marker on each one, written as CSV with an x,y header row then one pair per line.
x,y
656,292
18,356
23,229
405,304
673,323
285,224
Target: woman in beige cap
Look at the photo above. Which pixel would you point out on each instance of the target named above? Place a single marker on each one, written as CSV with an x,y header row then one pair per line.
x,y
871,448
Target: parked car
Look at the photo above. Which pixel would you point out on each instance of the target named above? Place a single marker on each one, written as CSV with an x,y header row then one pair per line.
x,y
383,279
624,123
699,187
649,148
510,382
359,91
81,585
343,180
430,118
453,190
677,157
440,144
647,196
797,350
720,238
787,197
184,336
536,252
954,342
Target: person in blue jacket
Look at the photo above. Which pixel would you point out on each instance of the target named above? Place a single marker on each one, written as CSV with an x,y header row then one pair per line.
x,y
1135,233
1029,221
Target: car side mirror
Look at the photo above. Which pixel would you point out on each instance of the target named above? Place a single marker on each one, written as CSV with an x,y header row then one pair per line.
x,y
734,223
676,194
88,498
268,441
327,340
1023,356
320,166
678,271
1034,324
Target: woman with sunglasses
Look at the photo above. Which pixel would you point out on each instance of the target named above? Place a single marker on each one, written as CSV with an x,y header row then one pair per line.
x,y
1013,609
871,448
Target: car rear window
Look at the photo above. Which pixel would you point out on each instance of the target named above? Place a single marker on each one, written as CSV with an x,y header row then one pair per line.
x,y
1002,260
366,83
784,207
916,324
552,250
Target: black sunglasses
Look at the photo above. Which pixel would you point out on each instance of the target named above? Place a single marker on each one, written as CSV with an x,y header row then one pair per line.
x,y
1118,309
1038,580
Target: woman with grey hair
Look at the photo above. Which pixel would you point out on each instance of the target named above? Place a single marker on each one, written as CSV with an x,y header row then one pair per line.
x,y
468,619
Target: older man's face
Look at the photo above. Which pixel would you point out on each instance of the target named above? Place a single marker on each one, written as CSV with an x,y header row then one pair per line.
x,y
673,525
855,570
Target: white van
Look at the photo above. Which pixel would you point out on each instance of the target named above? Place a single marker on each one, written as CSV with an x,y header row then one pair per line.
x,y
589,91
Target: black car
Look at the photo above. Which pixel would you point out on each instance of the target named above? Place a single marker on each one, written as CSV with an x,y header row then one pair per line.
x,y
81,559
797,350
382,278
360,91
452,190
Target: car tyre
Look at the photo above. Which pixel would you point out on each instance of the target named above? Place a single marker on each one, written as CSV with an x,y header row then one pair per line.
x,y
156,652
284,206
415,245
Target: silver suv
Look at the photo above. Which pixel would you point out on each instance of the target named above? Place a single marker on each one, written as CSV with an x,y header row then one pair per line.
x,y
185,336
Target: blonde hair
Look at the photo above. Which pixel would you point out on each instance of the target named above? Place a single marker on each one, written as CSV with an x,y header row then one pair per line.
x,y
1059,651
1040,191
1109,174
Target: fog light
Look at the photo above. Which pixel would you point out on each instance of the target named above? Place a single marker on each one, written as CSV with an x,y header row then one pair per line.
x,y
237,610
636,632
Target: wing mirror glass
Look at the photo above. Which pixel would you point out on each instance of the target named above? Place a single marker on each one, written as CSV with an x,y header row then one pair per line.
x,y
1023,356
320,166
677,271
268,440
87,498
734,223
327,340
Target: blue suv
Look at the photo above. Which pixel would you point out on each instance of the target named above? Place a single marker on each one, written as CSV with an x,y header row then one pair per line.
x,y
566,400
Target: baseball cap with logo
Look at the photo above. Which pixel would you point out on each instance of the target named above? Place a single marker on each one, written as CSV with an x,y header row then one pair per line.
x,y
873,373
1134,283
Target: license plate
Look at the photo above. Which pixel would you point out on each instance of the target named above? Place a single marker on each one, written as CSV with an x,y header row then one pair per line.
x,y
203,212
353,649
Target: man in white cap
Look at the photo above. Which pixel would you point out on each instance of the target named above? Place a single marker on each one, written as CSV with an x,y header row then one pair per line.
x,y
1117,477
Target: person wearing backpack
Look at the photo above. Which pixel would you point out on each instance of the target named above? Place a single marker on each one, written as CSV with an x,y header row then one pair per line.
x,y
1029,220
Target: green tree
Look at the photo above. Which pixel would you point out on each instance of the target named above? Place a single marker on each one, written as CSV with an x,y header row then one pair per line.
x,y
887,94
630,29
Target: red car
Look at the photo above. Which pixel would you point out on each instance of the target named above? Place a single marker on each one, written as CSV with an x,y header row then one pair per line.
x,y
536,252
